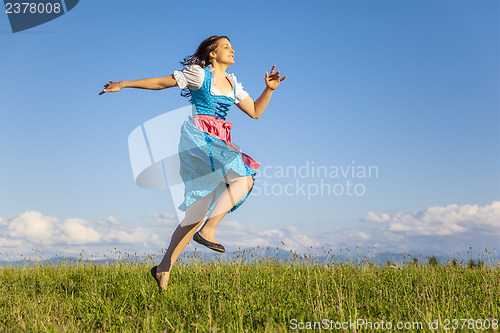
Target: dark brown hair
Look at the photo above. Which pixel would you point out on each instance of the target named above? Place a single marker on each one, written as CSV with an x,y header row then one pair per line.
x,y
201,57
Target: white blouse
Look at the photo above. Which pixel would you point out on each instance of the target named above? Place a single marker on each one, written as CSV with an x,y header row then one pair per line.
x,y
192,77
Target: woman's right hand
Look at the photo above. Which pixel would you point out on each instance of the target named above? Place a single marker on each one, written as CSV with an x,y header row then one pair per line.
x,y
111,87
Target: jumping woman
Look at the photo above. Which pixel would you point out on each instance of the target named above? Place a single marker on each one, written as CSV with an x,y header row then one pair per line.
x,y
218,177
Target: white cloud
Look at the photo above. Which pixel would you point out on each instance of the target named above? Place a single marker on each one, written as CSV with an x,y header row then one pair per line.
x,y
33,227
363,235
441,229
164,218
443,220
112,220
377,217
244,236
76,231
136,236
5,242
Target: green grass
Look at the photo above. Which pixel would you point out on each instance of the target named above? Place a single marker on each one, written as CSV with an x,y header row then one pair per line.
x,y
236,296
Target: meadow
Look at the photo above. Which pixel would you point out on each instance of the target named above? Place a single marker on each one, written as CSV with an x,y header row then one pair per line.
x,y
251,294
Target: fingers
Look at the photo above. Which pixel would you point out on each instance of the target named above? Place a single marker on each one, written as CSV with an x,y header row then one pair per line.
x,y
106,86
274,76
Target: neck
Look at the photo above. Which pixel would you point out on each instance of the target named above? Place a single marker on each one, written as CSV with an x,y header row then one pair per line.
x,y
220,69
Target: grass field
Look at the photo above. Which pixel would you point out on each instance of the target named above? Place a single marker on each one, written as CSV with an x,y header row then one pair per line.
x,y
247,294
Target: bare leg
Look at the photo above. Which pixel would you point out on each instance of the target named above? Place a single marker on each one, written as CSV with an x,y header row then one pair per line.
x,y
193,218
237,189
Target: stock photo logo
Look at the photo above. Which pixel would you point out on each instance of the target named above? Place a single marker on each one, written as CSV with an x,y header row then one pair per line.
x,y
27,14
310,180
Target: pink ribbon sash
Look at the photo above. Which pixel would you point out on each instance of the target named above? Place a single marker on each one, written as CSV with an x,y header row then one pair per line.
x,y
221,129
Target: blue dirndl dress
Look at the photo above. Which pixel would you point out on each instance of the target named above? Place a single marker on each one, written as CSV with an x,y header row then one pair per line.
x,y
206,153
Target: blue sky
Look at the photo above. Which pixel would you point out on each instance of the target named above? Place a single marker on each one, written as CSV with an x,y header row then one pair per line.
x,y
408,87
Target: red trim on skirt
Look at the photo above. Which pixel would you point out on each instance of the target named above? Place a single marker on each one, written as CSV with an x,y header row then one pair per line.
x,y
221,129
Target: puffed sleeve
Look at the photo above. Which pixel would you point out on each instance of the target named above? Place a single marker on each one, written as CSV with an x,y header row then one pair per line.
x,y
240,93
191,76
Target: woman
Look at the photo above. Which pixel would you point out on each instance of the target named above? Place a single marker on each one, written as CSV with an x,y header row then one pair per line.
x,y
217,176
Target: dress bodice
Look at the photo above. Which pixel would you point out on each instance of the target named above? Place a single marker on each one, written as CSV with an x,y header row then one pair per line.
x,y
205,102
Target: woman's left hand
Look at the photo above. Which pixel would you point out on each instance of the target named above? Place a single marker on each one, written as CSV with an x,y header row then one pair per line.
x,y
273,80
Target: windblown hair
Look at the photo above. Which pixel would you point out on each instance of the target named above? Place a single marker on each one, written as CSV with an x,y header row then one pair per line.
x,y
201,57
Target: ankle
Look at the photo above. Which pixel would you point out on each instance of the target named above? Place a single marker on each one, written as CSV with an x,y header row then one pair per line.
x,y
207,231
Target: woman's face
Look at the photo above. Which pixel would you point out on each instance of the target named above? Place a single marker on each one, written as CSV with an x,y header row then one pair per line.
x,y
224,52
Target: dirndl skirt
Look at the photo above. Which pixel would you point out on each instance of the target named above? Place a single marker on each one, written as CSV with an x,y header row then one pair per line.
x,y
206,155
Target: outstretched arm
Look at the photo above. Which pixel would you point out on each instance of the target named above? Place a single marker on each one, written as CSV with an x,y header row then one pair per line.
x,y
156,83
255,109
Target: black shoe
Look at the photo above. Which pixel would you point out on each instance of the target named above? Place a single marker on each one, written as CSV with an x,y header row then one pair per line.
x,y
153,272
212,246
